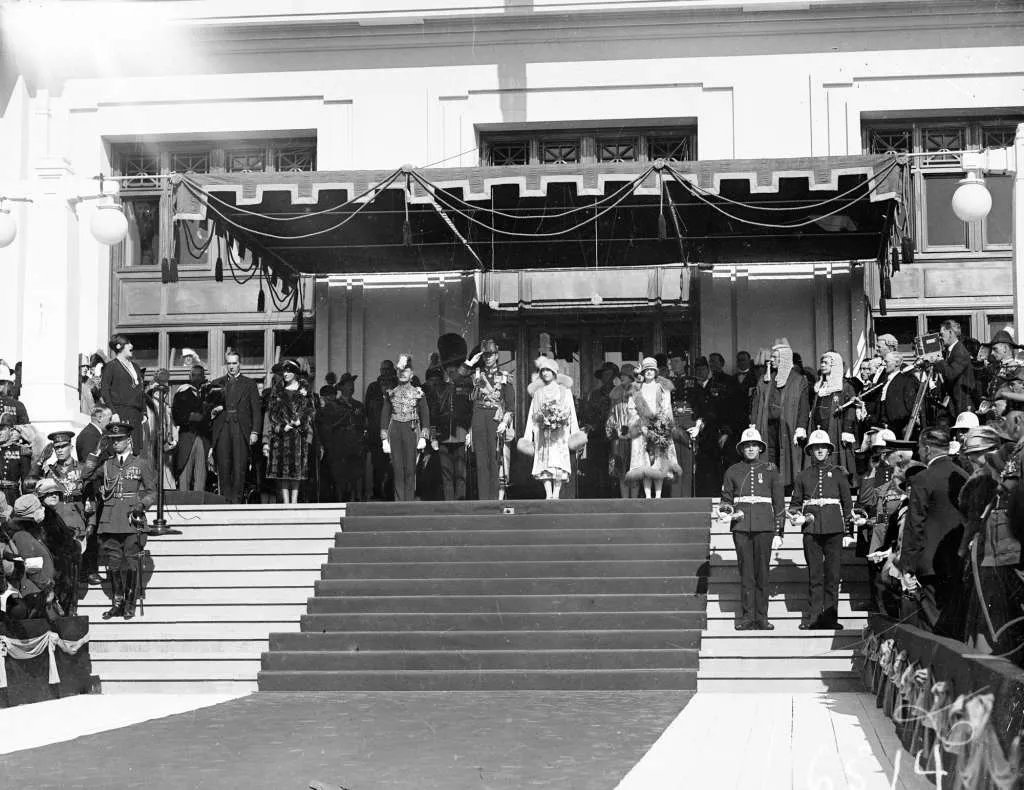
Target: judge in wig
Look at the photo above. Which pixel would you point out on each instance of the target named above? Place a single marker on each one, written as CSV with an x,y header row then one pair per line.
x,y
780,412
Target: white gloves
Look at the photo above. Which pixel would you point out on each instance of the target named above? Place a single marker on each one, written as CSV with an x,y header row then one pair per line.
x,y
386,446
849,541
694,431
421,444
848,438
799,434
435,446
777,543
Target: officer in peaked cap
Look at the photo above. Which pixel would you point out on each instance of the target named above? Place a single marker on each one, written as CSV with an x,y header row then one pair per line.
x,y
126,485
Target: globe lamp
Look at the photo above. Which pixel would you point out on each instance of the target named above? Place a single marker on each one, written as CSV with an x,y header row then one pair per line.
x,y
109,224
972,200
8,228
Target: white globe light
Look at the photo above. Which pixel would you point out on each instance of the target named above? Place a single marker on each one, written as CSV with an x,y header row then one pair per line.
x,y
493,304
972,200
8,228
109,224
596,299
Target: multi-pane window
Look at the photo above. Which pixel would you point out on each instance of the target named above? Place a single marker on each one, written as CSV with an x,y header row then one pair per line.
x,y
588,146
936,171
145,201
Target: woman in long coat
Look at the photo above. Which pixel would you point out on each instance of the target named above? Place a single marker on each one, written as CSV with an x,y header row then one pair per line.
x,y
288,432
830,393
653,453
550,423
780,410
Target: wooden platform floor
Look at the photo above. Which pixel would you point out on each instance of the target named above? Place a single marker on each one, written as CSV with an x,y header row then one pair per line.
x,y
477,741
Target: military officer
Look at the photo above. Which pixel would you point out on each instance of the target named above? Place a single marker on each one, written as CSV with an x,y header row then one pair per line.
x,y
753,500
688,413
822,507
77,507
15,458
126,486
405,428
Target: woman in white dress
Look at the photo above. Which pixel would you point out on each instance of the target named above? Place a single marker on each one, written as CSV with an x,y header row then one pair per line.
x,y
653,454
550,423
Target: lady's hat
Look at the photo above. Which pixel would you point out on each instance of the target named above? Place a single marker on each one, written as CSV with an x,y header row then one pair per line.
x,y
648,363
607,366
547,363
751,436
982,440
25,506
818,438
292,365
48,486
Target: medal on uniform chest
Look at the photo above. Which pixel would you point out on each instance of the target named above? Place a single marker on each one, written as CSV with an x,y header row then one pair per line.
x,y
760,478
829,475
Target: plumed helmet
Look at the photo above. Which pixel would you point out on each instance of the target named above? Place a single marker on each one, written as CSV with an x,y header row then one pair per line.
x,y
451,348
818,438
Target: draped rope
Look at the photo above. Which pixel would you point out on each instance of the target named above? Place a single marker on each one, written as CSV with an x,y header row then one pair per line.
x,y
23,649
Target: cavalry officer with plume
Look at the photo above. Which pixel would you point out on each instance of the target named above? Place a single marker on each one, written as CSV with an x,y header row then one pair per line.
x,y
753,500
127,488
823,508
494,405
405,427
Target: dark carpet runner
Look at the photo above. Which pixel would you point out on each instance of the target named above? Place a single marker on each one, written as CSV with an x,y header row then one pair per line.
x,y
555,595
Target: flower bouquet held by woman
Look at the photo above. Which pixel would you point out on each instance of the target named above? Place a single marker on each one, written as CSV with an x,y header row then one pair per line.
x,y
653,456
551,424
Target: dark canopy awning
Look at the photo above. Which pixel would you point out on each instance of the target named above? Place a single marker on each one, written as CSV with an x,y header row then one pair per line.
x,y
552,216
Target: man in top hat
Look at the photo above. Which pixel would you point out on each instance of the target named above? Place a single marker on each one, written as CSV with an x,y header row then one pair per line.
x,y
494,408
405,428
595,416
123,389
752,490
190,415
9,404
822,506
236,412
780,410
451,414
126,486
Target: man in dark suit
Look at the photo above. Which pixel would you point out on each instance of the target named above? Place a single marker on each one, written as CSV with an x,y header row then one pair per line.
x,y
898,394
746,381
190,416
928,556
957,370
123,389
234,426
88,438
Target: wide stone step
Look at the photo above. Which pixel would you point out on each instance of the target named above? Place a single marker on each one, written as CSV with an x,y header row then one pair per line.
x,y
501,622
512,570
785,622
163,578
829,685
531,506
164,648
263,547
204,596
783,557
480,680
285,531
552,553
782,574
791,540
775,644
164,562
837,663
730,588
778,607
498,586
417,660
213,613
141,629
191,686
112,667
527,521
528,537
505,603
458,640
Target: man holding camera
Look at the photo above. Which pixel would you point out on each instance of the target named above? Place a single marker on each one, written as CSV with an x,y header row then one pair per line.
x,y
957,370
127,488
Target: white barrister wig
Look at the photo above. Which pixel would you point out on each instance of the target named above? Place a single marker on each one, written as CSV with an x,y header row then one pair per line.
x,y
404,362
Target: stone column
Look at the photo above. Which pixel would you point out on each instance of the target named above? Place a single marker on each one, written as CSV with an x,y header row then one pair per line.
x,y
1018,233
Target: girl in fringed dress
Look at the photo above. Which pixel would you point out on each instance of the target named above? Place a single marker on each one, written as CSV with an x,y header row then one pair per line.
x,y
653,454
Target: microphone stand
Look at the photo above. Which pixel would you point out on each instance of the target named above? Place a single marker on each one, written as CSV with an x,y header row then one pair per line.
x,y
160,523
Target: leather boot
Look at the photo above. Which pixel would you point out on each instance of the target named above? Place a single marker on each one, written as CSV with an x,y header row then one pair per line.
x,y
117,593
130,594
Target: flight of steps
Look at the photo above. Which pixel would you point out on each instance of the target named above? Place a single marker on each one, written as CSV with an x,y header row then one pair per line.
x,y
786,659
233,575
572,594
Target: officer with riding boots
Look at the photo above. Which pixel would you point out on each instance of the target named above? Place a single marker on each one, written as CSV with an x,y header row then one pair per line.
x,y
126,486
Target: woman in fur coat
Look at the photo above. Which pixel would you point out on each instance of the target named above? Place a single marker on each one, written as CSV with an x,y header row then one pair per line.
x,y
653,453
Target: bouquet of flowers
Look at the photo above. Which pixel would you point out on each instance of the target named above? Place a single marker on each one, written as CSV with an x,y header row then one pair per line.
x,y
659,436
552,415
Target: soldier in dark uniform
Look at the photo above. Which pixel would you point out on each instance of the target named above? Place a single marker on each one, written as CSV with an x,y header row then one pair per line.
x,y
752,495
127,487
15,458
688,412
405,427
77,507
822,507
719,425
451,415
9,403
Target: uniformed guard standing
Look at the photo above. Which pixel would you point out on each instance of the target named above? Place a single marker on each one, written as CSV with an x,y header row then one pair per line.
x,y
127,487
77,507
15,458
822,506
756,487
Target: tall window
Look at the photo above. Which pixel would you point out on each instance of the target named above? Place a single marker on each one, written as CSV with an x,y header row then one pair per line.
x,y
145,201
935,175
587,146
